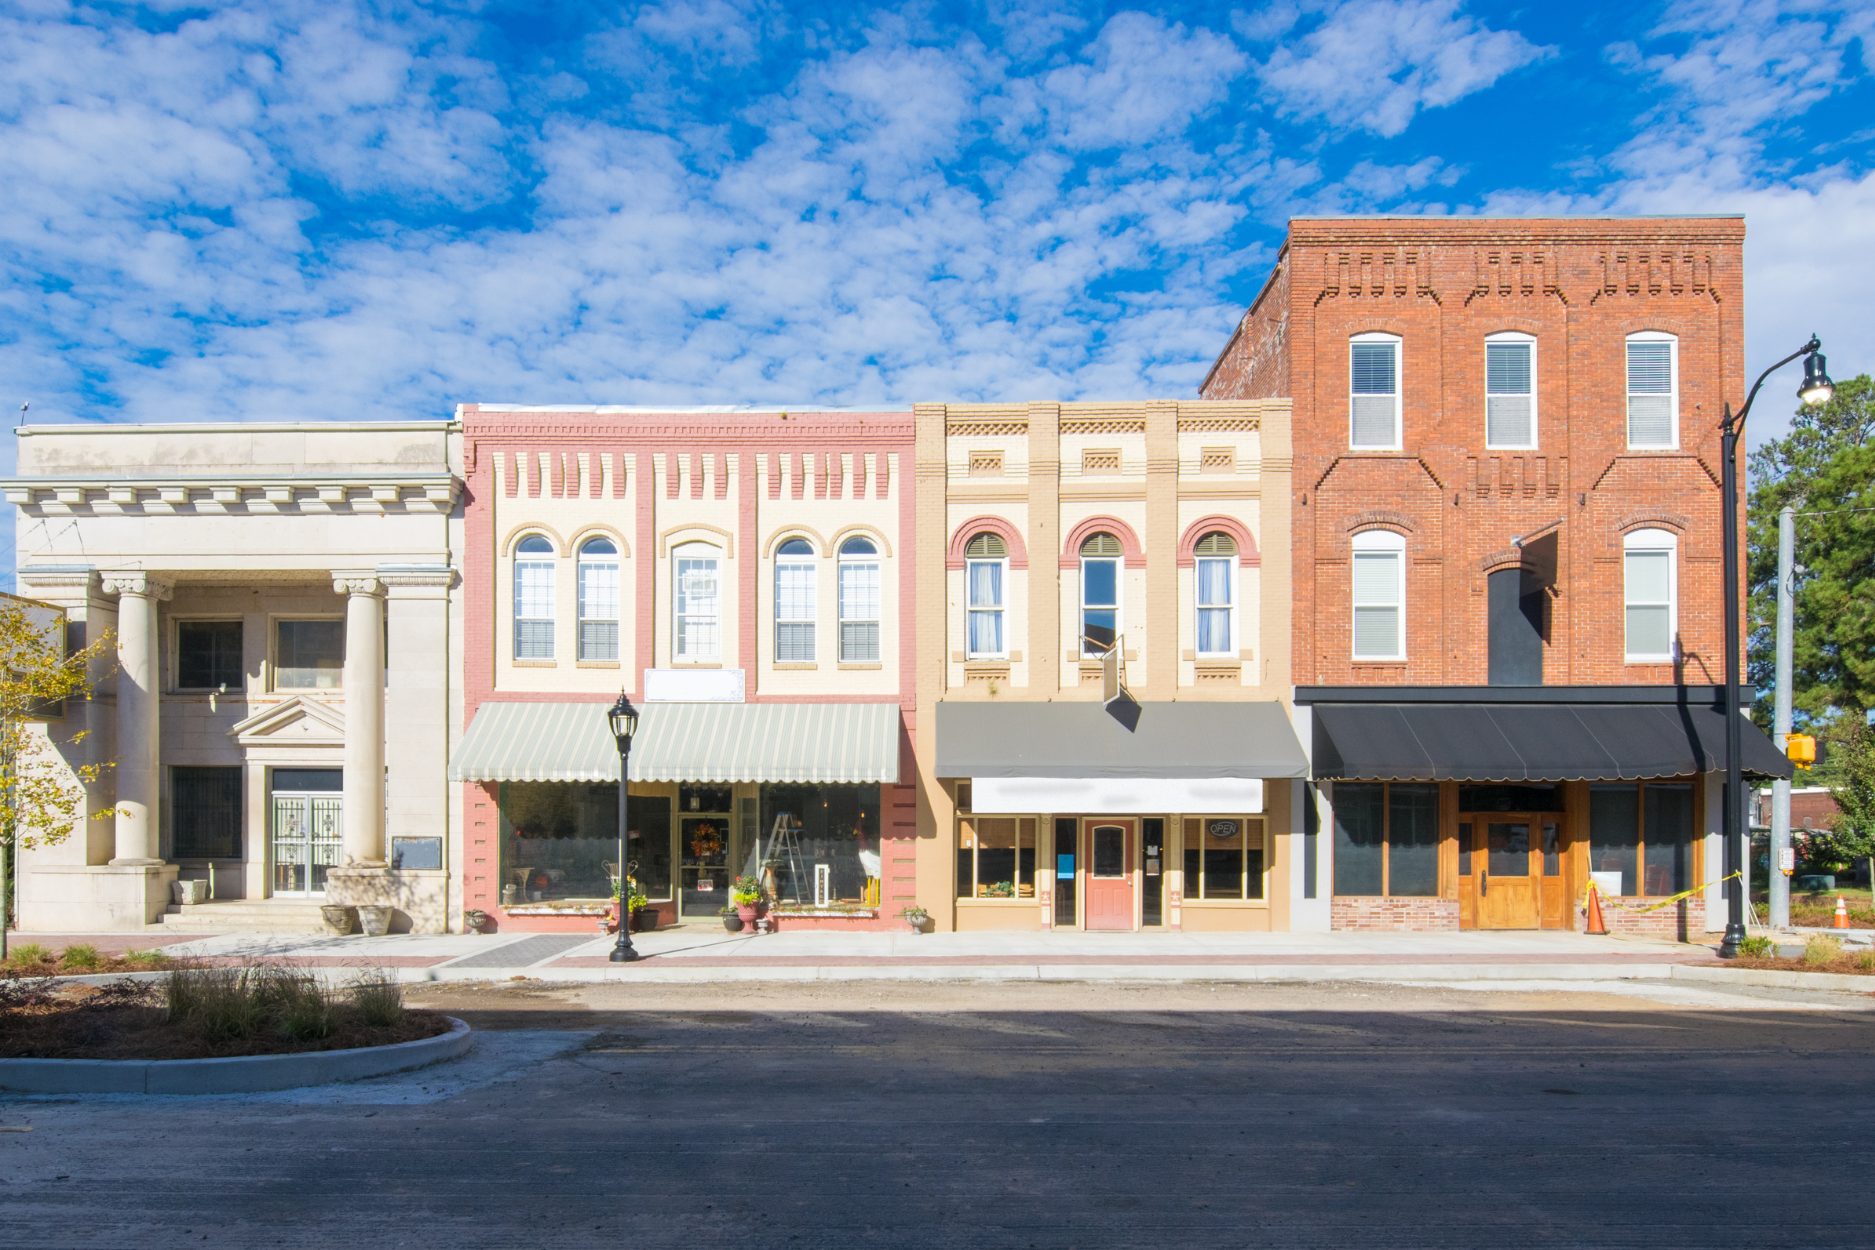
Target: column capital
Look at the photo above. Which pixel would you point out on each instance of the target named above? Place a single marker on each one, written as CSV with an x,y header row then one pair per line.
x,y
136,582
417,581
360,582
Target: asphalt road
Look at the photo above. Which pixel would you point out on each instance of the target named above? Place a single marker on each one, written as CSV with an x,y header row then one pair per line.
x,y
1047,1116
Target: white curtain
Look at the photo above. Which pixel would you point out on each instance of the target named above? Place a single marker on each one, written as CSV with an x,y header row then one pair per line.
x,y
1214,607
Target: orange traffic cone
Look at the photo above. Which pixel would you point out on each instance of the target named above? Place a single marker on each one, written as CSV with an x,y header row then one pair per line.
x,y
1842,913
1597,927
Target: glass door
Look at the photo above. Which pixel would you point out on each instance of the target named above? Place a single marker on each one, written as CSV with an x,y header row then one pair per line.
x,y
1505,860
308,836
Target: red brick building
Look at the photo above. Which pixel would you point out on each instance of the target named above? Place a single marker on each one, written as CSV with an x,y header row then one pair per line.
x,y
1506,553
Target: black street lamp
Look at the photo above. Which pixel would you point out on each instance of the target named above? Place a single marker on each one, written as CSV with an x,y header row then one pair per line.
x,y
1815,389
624,721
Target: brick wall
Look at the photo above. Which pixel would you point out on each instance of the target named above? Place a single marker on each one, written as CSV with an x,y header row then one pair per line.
x,y
1398,915
1684,920
1579,287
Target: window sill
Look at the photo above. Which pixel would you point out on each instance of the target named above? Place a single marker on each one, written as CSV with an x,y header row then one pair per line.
x,y
535,663
307,690
1029,901
696,663
1372,663
1638,661
794,666
861,665
1663,447
1225,904
596,664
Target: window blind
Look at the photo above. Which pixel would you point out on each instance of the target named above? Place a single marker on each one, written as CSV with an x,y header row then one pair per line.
x,y
1650,394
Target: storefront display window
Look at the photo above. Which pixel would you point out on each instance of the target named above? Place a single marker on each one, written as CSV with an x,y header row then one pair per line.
x,y
560,841
1223,858
1387,839
1642,831
996,857
805,828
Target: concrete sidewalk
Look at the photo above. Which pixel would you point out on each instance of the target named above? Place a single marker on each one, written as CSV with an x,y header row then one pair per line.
x,y
699,954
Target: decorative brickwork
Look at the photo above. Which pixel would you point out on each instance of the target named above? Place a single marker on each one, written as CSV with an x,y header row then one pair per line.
x,y
1398,915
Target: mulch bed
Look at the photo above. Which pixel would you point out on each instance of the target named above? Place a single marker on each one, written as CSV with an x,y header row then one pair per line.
x,y
1842,963
113,966
126,1020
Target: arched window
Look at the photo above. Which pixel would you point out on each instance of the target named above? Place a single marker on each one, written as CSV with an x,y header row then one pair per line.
x,y
697,602
1653,390
1100,594
794,602
859,601
1216,571
986,564
1374,392
1650,595
533,598
598,599
1379,595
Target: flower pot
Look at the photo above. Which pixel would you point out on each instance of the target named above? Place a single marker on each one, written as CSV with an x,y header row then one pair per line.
x,y
474,920
338,917
645,919
374,919
733,923
748,912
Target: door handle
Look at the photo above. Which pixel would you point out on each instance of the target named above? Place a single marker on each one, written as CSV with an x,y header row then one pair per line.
x,y
1484,883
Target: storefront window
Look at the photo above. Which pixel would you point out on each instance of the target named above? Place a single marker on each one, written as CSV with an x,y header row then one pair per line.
x,y
830,826
996,857
1223,858
1642,832
1387,839
560,841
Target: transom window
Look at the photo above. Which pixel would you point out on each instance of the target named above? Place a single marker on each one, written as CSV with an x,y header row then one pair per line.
x,y
1223,857
986,562
533,598
1374,391
1216,574
859,601
1653,391
794,602
698,603
1100,594
1386,839
1649,587
1379,596
598,599
1510,391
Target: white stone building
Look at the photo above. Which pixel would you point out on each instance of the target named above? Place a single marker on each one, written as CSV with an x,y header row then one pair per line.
x,y
285,604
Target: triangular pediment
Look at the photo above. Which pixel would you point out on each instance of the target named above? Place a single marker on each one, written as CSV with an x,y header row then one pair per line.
x,y
298,719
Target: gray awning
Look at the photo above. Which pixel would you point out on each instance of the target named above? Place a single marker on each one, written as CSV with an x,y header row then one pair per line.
x,y
1085,740
1529,742
828,742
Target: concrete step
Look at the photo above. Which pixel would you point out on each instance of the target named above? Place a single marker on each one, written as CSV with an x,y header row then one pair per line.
x,y
246,916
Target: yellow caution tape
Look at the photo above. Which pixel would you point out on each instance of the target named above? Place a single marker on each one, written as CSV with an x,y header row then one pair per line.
x,y
1665,902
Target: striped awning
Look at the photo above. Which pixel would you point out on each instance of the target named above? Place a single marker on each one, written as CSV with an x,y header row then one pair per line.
x,y
828,742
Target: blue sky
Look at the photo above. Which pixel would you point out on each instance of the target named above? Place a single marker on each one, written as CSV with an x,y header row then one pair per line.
x,y
299,211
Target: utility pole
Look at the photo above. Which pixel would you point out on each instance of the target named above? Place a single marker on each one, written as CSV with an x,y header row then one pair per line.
x,y
1780,724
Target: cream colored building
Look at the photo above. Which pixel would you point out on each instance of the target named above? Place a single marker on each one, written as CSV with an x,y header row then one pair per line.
x,y
287,621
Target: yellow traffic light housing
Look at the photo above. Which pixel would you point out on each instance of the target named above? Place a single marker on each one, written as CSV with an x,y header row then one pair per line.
x,y
1800,749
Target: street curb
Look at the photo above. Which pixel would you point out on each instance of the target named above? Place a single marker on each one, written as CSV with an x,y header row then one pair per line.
x,y
1776,978
670,975
248,1074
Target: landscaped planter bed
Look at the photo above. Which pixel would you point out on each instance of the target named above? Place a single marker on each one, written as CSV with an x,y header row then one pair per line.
x,y
32,960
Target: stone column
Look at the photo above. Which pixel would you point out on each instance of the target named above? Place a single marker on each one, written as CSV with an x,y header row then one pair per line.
x,y
139,746
364,718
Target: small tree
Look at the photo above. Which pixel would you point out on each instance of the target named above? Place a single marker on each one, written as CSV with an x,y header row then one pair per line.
x,y
44,792
1852,834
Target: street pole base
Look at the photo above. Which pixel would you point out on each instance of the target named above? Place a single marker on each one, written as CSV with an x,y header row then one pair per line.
x,y
623,955
1728,945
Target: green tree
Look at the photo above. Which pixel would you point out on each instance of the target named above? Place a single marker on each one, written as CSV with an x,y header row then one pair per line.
x,y
1851,835
43,791
1825,468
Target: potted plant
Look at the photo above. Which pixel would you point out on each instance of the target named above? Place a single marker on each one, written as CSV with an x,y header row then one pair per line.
x,y
732,920
474,920
1002,889
746,894
915,917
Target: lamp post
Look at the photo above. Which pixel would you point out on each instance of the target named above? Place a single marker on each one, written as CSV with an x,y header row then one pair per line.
x,y
1816,388
624,721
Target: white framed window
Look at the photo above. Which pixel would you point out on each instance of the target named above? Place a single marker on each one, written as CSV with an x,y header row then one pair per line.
x,y
794,602
986,568
859,601
598,599
1379,585
1374,392
1215,575
1653,391
1650,586
533,598
1100,591
697,603
1510,391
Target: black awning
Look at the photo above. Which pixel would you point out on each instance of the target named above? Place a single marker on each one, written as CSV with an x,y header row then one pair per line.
x,y
1529,742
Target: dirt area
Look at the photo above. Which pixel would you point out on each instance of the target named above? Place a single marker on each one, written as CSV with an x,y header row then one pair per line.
x,y
1861,964
127,1020
31,961
1818,911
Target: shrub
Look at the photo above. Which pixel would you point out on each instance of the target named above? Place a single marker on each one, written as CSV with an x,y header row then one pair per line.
x,y
215,1004
379,1001
1865,961
307,1012
84,957
146,959
29,954
1758,947
1821,950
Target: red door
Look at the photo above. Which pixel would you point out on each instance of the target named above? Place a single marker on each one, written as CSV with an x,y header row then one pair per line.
x,y
1110,874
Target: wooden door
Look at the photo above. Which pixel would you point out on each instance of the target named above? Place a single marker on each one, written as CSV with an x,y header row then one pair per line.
x,y
1110,873
1507,863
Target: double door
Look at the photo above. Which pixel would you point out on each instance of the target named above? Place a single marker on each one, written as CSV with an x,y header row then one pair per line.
x,y
1506,863
308,838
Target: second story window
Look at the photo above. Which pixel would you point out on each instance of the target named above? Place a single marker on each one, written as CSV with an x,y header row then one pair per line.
x,y
1216,569
1379,596
309,655
697,583
1510,391
208,656
1374,392
533,598
1648,596
1100,593
1653,391
986,561
859,601
598,599
794,602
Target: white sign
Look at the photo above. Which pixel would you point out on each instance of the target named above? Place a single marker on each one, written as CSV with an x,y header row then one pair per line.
x,y
706,885
693,685
1115,795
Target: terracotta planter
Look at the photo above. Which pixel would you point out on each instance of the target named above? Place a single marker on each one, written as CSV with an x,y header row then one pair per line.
x,y
747,913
